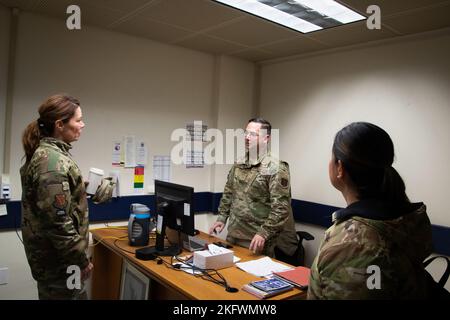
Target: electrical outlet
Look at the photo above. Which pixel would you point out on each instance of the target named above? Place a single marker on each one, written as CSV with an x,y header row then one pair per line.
x,y
4,275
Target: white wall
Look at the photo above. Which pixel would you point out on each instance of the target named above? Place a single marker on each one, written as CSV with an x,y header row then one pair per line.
x,y
4,45
401,86
126,85
234,106
21,284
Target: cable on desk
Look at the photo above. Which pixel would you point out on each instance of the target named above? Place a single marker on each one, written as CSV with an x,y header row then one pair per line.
x,y
101,239
206,274
115,244
111,227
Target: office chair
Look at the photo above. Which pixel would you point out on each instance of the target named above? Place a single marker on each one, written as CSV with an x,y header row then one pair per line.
x,y
298,258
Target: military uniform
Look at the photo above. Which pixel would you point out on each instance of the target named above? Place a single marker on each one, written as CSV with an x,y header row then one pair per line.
x,y
257,200
54,218
370,233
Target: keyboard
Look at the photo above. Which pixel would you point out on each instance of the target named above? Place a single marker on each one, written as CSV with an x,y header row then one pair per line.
x,y
196,244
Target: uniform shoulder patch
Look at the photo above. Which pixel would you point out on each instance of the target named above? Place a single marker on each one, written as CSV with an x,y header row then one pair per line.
x,y
60,201
65,186
284,182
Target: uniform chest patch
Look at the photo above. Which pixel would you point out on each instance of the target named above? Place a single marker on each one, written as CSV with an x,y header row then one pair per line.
x,y
284,182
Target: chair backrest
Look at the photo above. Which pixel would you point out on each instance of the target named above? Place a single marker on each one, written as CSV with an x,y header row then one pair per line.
x,y
436,289
298,257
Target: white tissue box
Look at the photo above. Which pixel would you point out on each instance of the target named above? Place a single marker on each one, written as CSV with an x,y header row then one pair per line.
x,y
205,260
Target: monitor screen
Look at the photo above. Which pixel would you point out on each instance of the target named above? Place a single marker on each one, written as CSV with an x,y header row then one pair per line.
x,y
176,202
175,210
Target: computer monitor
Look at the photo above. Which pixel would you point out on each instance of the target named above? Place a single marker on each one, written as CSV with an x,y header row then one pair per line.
x,y
175,210
176,202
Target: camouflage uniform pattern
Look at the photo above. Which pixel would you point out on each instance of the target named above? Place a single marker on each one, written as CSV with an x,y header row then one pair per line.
x,y
257,200
104,191
397,246
54,217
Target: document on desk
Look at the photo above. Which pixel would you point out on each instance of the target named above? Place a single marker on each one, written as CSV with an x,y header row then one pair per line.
x,y
263,267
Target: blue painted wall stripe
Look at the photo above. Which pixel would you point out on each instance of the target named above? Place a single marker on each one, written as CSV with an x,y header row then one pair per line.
x,y
304,212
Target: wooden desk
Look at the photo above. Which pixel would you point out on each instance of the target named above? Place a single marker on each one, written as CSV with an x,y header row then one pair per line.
x,y
165,282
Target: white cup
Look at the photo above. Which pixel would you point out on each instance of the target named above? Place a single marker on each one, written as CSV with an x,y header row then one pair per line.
x,y
94,178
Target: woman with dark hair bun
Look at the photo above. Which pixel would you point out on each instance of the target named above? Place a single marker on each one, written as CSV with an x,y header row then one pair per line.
x,y
377,244
54,206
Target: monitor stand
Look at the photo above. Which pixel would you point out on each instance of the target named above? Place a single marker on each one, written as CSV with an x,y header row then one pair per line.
x,y
151,252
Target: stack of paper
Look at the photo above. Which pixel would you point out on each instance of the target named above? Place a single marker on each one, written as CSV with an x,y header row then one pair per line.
x,y
263,267
213,258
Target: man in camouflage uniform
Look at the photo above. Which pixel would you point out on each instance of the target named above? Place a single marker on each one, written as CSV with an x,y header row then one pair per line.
x,y
54,219
257,198
363,235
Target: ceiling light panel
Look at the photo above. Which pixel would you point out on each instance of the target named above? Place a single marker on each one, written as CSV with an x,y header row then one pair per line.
x,y
301,15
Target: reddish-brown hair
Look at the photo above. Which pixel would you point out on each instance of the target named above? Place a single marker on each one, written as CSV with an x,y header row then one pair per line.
x,y
57,107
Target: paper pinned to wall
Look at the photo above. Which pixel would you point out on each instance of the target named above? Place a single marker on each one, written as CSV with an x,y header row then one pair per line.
x,y
130,151
116,153
141,154
196,131
195,159
161,168
195,136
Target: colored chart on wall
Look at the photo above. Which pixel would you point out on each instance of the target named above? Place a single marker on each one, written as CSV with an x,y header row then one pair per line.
x,y
139,177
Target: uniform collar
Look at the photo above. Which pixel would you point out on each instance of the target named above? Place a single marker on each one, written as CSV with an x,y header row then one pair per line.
x,y
246,163
374,209
65,147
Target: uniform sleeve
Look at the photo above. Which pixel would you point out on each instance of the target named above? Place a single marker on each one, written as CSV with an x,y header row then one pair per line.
x,y
280,202
314,286
54,204
342,272
225,201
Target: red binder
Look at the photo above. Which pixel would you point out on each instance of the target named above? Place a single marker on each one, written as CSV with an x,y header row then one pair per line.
x,y
298,277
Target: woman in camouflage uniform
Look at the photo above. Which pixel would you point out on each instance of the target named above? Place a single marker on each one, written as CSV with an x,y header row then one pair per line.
x,y
376,245
54,205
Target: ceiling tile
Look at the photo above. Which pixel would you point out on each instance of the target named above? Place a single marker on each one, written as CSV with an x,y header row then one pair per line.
x,y
388,7
118,5
252,31
101,17
209,44
57,8
211,27
193,14
254,55
350,34
21,4
421,21
152,30
294,46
